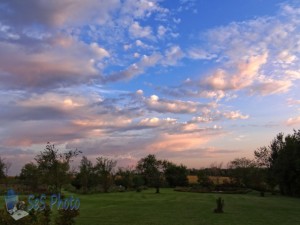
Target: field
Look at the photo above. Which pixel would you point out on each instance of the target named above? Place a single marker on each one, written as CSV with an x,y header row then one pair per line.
x,y
177,208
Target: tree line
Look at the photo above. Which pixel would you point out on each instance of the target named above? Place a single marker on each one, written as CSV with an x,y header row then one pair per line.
x,y
273,168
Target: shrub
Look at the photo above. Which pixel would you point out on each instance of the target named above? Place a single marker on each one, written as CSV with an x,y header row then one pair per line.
x,y
220,205
66,217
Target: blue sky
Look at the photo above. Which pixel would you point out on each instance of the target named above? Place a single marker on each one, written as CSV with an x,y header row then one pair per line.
x,y
195,82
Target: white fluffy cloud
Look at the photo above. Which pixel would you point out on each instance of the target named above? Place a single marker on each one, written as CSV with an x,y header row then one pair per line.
x,y
233,115
154,103
137,31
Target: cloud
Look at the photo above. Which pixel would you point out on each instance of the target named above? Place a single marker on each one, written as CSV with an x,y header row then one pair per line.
x,y
161,31
258,56
142,8
134,69
245,74
156,122
293,75
200,54
271,86
137,31
235,115
293,102
154,103
293,121
65,62
57,13
173,55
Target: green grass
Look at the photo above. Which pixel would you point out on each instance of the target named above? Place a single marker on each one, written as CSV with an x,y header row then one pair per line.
x,y
179,208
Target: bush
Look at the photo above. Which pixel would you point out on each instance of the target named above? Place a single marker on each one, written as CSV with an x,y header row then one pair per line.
x,y
65,217
220,205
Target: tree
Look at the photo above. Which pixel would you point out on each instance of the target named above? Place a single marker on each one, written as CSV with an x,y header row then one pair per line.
x,y
86,176
176,175
104,169
152,170
54,166
2,168
263,160
287,165
125,177
204,180
282,161
241,170
30,175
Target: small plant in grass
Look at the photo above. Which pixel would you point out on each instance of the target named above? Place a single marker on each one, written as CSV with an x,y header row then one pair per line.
x,y
220,205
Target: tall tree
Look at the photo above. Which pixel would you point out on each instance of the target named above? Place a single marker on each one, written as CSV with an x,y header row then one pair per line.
x,y
242,170
104,169
54,166
86,174
30,175
282,160
125,177
287,165
175,175
2,168
152,170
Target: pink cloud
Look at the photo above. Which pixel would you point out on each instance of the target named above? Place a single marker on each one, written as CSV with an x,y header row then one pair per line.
x,y
293,121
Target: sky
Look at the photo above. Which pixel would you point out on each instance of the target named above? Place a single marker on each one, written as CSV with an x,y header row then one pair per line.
x,y
196,82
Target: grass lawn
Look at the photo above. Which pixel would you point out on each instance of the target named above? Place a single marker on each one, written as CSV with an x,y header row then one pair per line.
x,y
178,208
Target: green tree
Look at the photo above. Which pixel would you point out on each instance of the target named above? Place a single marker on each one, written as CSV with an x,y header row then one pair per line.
x,y
263,160
2,168
282,161
287,165
104,170
175,175
152,171
86,177
54,166
242,169
125,177
30,175
203,179
86,172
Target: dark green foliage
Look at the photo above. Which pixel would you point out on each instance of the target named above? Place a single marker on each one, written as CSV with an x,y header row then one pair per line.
x,y
104,170
242,169
34,218
220,205
86,178
2,168
152,171
30,176
282,162
95,178
66,217
125,178
204,180
176,175
138,182
47,215
54,167
287,165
